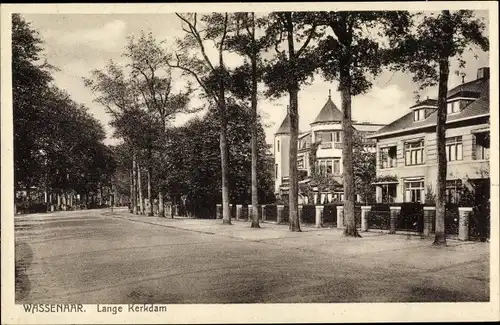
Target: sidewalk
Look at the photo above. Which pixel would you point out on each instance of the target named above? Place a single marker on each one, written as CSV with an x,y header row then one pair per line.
x,y
238,229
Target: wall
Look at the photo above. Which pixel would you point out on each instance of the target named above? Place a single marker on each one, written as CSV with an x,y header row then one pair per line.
x,y
461,169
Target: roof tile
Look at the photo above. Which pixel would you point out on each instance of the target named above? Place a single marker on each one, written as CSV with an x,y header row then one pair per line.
x,y
478,107
329,113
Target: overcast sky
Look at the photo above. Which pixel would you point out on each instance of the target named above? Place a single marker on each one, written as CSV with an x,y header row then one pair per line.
x,y
76,44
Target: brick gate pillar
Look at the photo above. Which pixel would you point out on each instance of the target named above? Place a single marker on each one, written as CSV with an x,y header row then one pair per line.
x,y
319,216
218,213
365,210
238,211
429,219
279,213
463,222
394,218
340,216
263,209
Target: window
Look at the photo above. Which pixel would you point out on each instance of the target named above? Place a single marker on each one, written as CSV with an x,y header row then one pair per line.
x,y
324,136
454,148
278,145
387,157
336,167
336,136
329,166
329,139
482,146
453,107
414,153
453,190
419,114
388,193
276,170
414,191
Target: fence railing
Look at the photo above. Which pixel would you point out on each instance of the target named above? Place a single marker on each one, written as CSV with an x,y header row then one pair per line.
x,y
406,217
379,219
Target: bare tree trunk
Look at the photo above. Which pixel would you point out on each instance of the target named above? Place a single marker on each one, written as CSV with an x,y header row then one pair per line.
x,y
255,187
28,194
293,90
139,186
226,213
440,236
150,199
134,185
131,193
161,210
347,163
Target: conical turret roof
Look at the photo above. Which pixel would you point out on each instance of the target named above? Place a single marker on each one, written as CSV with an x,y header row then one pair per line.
x,y
329,113
285,126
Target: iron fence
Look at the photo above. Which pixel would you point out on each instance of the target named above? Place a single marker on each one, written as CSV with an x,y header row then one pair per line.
x,y
330,215
379,220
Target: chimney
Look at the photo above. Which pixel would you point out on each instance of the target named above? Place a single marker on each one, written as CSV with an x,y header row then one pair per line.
x,y
483,73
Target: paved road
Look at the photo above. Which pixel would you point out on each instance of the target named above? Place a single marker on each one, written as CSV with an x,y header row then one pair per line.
x,y
90,257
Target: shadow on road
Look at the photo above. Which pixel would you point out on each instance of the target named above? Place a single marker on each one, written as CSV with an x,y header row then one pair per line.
x,y
24,258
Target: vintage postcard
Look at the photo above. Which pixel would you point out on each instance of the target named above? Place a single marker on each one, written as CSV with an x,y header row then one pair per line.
x,y
249,162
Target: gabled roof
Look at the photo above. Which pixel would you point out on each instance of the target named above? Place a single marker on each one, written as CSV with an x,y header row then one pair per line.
x,y
426,102
479,107
303,135
285,125
471,87
329,113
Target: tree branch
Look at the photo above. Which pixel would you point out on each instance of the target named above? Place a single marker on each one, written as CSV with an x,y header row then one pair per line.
x,y
192,73
193,31
309,37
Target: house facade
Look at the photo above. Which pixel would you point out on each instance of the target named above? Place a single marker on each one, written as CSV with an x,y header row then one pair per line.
x,y
322,146
407,149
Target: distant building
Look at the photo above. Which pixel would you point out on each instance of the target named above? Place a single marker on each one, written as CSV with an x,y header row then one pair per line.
x,y
407,149
326,130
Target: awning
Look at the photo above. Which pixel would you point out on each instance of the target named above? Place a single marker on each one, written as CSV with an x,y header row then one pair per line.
x,y
481,130
385,183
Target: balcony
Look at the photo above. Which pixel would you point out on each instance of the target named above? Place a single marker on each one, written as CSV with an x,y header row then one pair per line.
x,y
330,145
390,163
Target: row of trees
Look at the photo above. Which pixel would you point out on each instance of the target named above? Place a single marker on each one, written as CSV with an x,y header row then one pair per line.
x,y
349,47
58,145
284,50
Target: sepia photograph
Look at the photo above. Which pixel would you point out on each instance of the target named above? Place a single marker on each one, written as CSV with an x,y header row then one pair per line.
x,y
258,156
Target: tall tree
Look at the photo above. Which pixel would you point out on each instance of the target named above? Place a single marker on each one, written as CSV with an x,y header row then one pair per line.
x,y
30,84
152,77
353,55
427,52
115,92
202,69
245,42
196,162
290,68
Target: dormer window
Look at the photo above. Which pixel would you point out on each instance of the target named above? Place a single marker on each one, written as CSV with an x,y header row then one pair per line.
x,y
453,107
419,115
